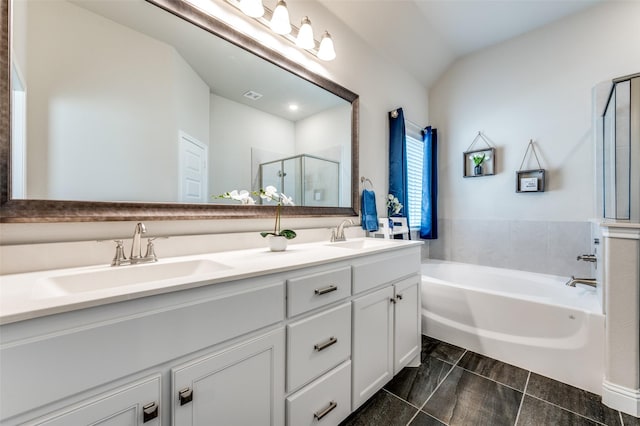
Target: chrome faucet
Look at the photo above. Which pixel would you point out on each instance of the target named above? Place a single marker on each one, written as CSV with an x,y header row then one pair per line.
x,y
136,247
337,234
587,281
588,257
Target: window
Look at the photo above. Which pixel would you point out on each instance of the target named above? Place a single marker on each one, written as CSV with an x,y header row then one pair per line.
x,y
415,157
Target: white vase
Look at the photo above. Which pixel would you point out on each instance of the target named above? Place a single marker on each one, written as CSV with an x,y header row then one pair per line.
x,y
277,243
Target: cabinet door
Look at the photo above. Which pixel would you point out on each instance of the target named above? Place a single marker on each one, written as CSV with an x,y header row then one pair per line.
x,y
135,404
372,356
241,385
407,340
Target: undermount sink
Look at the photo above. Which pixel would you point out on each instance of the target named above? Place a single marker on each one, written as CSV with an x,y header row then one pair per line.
x,y
359,244
126,275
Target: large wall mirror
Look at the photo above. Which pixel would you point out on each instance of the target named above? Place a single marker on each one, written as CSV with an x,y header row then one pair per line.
x,y
147,109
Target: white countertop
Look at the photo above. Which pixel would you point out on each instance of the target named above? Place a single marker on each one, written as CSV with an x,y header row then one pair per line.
x,y
36,294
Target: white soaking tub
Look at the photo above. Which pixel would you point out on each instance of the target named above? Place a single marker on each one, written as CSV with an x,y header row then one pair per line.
x,y
530,320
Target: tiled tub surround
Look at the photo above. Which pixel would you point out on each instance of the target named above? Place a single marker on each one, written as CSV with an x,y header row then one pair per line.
x,y
454,386
524,318
536,246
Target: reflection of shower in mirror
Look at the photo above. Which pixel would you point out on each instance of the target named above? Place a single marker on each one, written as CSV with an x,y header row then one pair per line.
x,y
310,180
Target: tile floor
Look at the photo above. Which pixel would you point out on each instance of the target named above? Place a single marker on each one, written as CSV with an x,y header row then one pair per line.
x,y
454,387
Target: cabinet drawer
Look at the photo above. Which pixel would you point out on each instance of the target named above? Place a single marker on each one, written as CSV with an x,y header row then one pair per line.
x,y
381,269
317,344
312,291
323,402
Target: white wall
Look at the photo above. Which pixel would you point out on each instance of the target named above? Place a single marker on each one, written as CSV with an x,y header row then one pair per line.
x,y
71,147
537,86
328,135
232,142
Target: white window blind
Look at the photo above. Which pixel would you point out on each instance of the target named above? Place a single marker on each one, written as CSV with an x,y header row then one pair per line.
x,y
415,161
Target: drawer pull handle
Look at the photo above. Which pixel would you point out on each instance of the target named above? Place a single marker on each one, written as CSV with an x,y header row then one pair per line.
x,y
399,297
320,414
324,345
325,290
185,396
149,412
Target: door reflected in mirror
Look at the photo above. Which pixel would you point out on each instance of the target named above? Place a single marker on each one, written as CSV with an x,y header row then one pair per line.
x,y
121,101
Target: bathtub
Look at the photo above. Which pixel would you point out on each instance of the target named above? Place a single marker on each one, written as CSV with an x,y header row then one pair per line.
x,y
530,320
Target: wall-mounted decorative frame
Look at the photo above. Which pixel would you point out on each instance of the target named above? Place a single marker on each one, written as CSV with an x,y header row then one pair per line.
x,y
479,162
530,180
486,159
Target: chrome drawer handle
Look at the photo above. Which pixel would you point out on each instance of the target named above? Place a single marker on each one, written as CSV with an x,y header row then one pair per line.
x,y
320,414
325,290
149,412
185,396
321,346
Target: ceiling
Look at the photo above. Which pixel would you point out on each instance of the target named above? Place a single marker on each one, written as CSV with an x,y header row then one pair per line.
x,y
426,36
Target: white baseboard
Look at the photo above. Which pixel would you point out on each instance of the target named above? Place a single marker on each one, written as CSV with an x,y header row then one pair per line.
x,y
621,398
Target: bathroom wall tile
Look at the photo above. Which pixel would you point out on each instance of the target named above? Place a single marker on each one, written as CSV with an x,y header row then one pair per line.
x,y
465,398
573,399
535,412
381,409
423,419
466,238
440,248
528,245
415,384
567,240
493,246
630,420
441,350
490,368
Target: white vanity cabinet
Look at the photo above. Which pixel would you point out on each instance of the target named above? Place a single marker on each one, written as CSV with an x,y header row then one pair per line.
x,y
304,344
131,405
242,385
386,321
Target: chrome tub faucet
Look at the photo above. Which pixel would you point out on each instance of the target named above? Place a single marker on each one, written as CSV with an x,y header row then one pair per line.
x,y
591,282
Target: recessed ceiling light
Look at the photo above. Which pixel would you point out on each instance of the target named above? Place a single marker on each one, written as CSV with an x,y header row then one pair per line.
x,y
293,107
254,96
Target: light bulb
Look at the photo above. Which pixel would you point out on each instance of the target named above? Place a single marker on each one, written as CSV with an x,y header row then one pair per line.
x,y
305,35
326,52
280,23
252,8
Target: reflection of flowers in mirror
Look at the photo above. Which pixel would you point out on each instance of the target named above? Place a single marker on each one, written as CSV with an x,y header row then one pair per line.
x,y
269,193
394,206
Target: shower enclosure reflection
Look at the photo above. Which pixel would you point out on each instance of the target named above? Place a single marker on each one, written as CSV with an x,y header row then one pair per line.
x,y
311,181
621,150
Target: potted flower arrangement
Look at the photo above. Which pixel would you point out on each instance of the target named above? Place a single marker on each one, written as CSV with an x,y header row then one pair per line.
x,y
278,237
478,159
394,207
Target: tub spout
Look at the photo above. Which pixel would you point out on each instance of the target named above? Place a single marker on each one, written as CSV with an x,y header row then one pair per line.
x,y
587,281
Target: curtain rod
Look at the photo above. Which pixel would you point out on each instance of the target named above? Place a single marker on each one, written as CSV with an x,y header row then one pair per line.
x,y
394,114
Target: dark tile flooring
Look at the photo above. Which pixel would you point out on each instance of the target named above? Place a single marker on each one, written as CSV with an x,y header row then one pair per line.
x,y
454,387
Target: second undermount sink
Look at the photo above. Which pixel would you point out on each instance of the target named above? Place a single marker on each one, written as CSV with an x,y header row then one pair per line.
x,y
361,243
114,277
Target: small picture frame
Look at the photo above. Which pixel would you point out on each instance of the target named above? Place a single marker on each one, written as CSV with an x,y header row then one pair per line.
x,y
486,166
530,180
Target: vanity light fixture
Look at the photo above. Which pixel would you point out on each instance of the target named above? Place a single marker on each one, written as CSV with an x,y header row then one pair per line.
x,y
278,21
252,8
305,38
326,51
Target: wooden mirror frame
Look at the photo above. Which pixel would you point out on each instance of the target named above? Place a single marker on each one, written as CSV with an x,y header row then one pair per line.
x,y
21,211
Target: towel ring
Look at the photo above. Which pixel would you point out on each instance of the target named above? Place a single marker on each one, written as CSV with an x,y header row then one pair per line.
x,y
364,181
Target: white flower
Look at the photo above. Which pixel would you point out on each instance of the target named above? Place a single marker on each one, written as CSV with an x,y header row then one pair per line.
x,y
270,192
287,201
